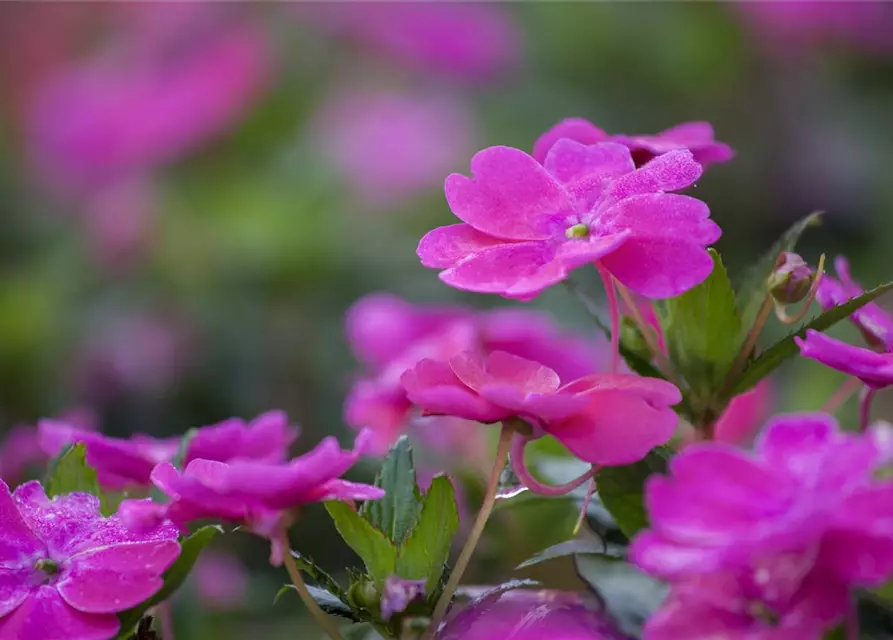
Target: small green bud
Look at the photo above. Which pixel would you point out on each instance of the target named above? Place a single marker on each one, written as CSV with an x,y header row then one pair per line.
x,y
632,339
577,231
363,595
791,279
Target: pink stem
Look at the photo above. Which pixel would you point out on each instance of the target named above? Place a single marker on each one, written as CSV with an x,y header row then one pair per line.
x,y
614,312
865,408
166,618
585,507
851,624
520,469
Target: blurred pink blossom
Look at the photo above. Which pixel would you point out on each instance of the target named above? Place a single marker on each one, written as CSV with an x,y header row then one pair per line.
x,y
784,24
390,145
123,112
874,323
120,223
744,415
266,438
141,353
872,368
220,580
465,40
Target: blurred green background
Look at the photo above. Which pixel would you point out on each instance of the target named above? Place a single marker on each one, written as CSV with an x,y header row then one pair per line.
x,y
208,277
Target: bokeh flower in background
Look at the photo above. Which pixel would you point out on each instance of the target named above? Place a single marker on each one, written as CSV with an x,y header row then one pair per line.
x,y
391,145
467,41
528,615
221,581
792,25
122,113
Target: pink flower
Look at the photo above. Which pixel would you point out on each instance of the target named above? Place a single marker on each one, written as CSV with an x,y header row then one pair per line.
x,y
67,570
390,146
528,615
119,463
258,495
602,419
697,137
467,41
119,222
220,580
19,451
875,324
397,595
126,112
863,25
872,368
785,530
264,439
389,336
526,225
740,421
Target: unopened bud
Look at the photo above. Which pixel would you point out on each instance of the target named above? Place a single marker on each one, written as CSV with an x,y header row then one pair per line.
x,y
363,595
791,279
632,339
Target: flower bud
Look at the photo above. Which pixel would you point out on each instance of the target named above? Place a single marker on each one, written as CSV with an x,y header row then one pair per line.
x,y
632,339
791,279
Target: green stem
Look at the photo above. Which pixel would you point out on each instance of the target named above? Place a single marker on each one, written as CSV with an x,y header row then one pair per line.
x,y
301,587
502,450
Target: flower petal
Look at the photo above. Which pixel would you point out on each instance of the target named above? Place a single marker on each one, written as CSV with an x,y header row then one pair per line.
x,y
117,577
671,171
46,616
510,197
616,428
662,216
576,129
499,269
659,268
445,247
501,367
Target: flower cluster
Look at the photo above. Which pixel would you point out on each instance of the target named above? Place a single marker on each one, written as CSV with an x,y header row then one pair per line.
x,y
769,542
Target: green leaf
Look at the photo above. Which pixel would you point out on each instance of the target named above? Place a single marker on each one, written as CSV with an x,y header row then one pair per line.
x,y
770,359
753,287
427,549
318,575
564,549
71,473
702,331
396,513
377,552
327,601
190,548
621,489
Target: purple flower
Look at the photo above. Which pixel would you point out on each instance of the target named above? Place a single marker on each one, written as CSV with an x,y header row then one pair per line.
x,y
397,595
258,495
221,580
127,111
602,419
390,146
526,225
875,324
872,368
119,463
779,534
264,439
862,25
467,41
697,137
389,336
66,570
528,615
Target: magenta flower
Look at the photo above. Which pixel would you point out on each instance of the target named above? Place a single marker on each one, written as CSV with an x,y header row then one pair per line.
x,y
872,368
863,25
469,41
258,495
528,615
264,439
744,538
221,580
66,570
875,324
389,336
526,225
390,146
130,110
697,137
19,450
119,463
743,416
602,419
